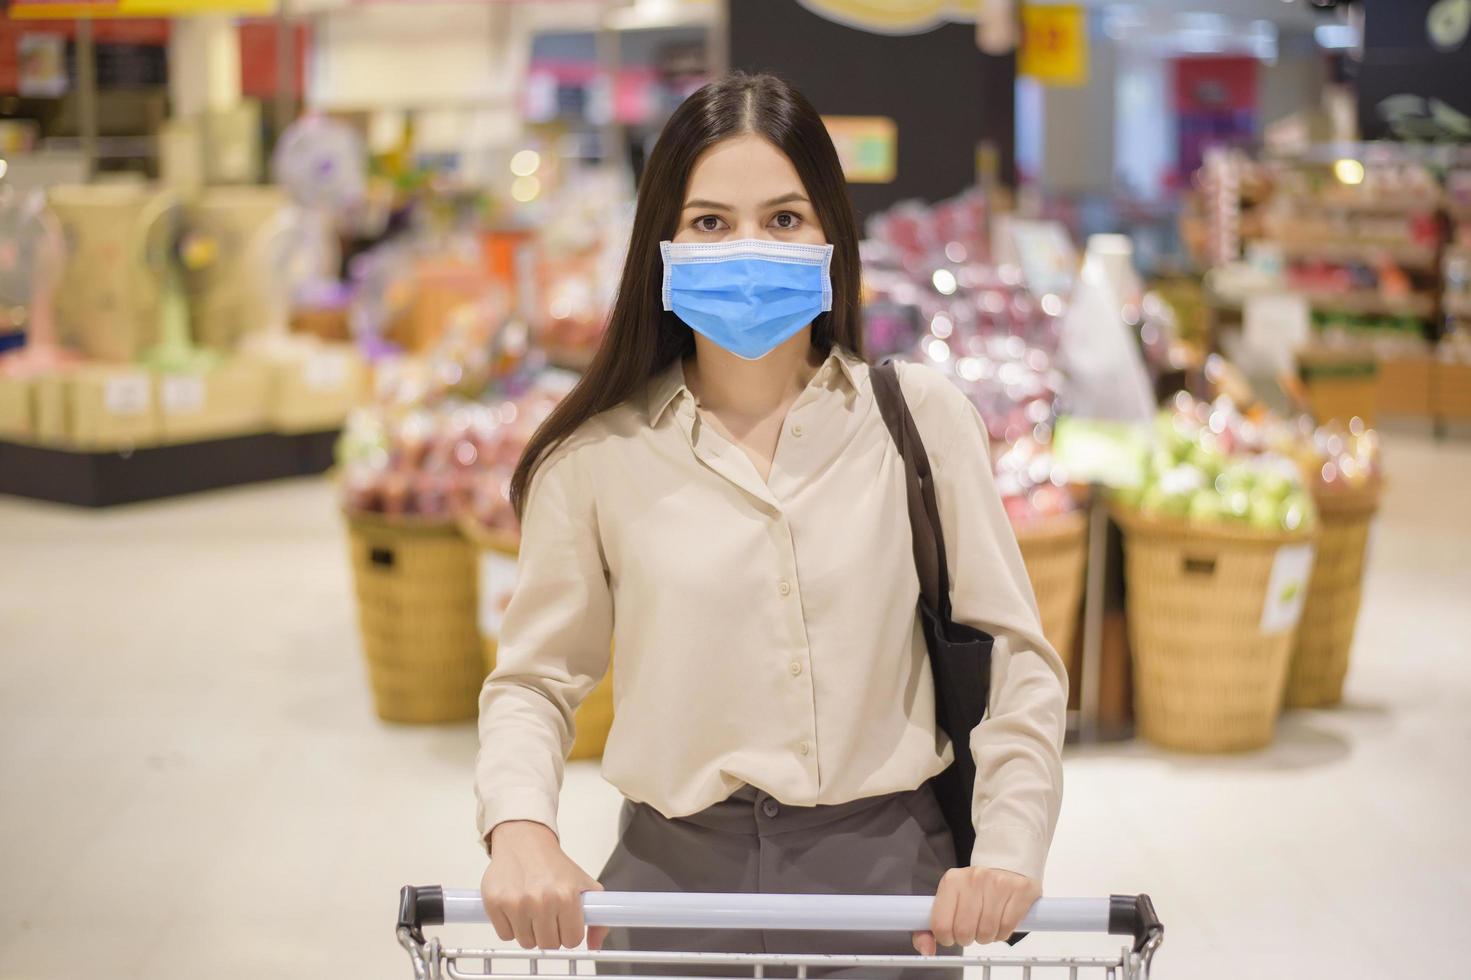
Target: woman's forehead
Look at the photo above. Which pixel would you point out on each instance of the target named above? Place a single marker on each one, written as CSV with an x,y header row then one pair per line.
x,y
743,171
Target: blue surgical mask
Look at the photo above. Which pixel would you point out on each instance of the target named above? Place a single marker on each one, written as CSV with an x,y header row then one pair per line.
x,y
748,296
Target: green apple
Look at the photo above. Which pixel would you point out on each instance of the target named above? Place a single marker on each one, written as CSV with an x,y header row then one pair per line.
x,y
1274,484
1264,513
1208,460
1152,500
1159,501
1183,479
1235,477
1207,507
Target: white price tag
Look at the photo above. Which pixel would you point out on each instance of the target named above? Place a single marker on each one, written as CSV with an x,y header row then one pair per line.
x,y
183,395
325,372
1276,327
127,394
497,582
1287,588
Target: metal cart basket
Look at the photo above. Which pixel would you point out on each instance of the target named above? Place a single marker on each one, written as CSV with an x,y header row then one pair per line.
x,y
1120,915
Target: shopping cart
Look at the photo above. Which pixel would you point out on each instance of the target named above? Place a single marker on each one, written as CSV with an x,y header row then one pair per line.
x,y
1121,915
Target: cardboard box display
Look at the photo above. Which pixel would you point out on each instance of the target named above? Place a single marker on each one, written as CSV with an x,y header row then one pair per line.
x,y
107,303
96,407
49,415
314,390
17,417
231,400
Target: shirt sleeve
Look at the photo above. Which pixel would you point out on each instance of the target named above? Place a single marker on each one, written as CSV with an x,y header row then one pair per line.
x,y
1018,746
553,649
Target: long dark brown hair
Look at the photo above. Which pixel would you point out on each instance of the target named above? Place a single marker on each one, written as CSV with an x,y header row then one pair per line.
x,y
642,338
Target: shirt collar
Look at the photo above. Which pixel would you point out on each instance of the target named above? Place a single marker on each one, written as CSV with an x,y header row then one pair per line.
x,y
664,388
669,385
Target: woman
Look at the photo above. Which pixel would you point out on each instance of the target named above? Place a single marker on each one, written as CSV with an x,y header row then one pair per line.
x,y
720,500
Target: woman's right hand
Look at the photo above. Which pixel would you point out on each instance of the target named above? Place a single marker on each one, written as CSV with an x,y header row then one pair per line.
x,y
533,891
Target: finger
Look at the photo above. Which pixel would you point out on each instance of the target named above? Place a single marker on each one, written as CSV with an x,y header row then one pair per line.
x,y
569,919
1011,915
595,934
520,916
942,916
502,923
968,913
544,924
993,901
924,943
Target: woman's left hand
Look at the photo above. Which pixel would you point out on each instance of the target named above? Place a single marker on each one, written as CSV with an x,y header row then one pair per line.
x,y
977,905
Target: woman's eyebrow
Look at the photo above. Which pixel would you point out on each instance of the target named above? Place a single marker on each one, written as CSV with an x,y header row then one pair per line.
x,y
791,198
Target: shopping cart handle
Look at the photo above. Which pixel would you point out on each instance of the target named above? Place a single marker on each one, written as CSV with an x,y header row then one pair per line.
x,y
1119,915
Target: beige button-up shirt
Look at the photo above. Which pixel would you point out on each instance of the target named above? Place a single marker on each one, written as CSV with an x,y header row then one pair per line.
x,y
766,630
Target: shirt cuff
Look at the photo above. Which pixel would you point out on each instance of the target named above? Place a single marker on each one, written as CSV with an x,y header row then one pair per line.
x,y
1008,847
523,804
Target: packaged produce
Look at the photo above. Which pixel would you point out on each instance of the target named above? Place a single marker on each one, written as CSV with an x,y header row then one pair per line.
x,y
445,430
932,295
445,461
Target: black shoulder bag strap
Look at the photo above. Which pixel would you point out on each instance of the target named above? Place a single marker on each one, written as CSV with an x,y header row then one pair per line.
x,y
960,655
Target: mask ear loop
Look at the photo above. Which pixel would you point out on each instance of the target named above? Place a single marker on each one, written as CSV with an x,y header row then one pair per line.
x,y
827,280
664,291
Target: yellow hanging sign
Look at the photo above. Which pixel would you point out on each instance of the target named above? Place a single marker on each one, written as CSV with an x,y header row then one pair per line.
x,y
1054,47
100,9
894,16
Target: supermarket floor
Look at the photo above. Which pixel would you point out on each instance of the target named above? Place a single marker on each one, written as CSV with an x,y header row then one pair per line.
x,y
194,784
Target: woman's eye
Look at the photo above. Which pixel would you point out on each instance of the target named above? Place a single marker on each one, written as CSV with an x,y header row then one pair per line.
x,y
787,221
708,222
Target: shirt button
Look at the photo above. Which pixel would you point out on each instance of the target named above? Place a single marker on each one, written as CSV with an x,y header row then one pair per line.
x,y
785,588
804,748
796,668
797,431
770,808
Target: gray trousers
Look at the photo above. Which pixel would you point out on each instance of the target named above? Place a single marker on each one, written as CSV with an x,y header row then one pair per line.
x,y
884,845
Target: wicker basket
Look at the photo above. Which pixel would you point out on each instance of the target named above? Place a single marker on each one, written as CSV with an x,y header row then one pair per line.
x,y
1320,660
1055,551
1206,678
416,591
594,716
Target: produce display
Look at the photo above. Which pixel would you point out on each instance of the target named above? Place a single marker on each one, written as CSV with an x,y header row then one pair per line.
x,y
443,462
1214,463
1211,465
445,431
582,239
931,295
1339,459
1031,485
